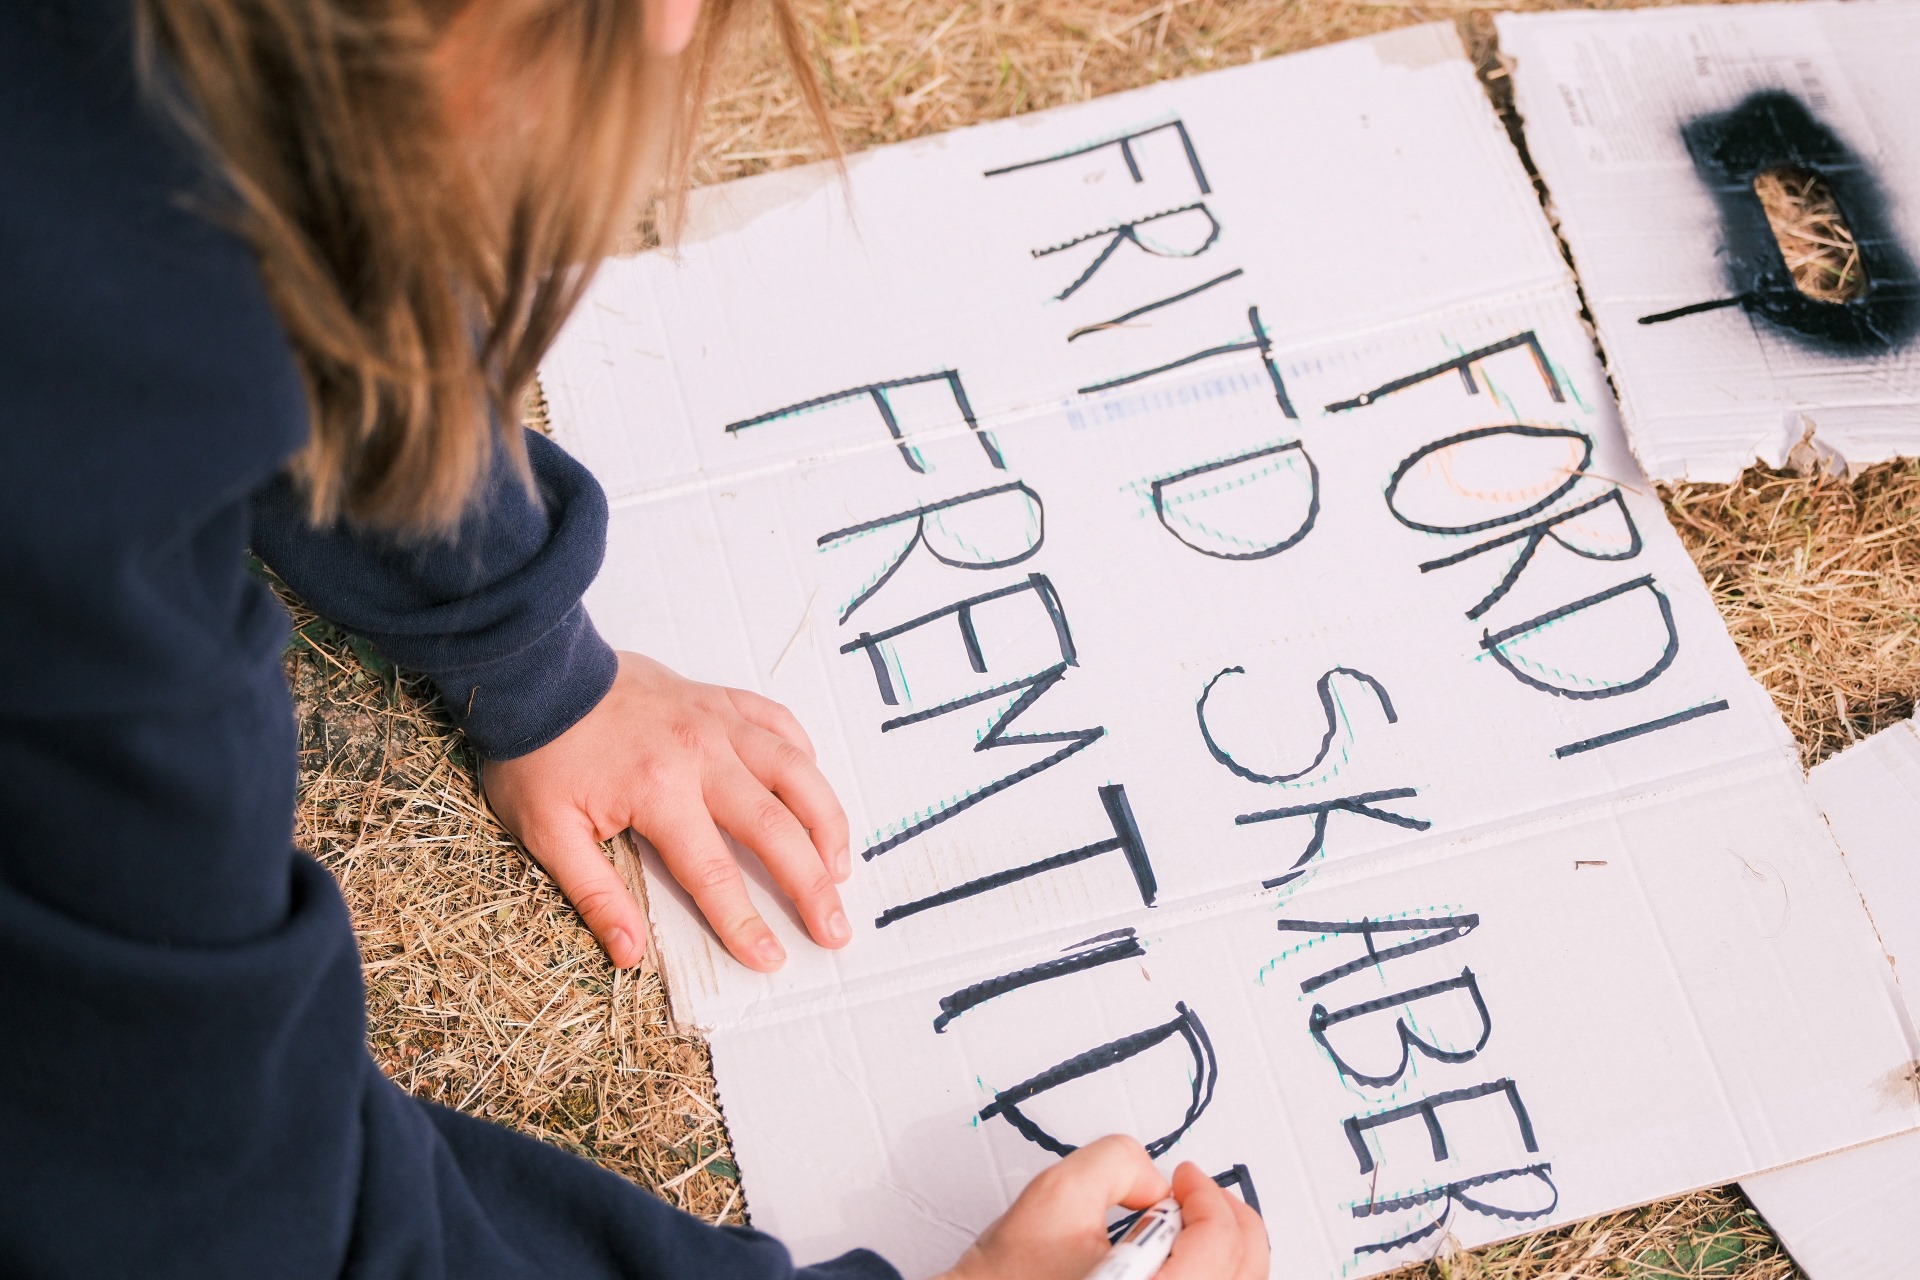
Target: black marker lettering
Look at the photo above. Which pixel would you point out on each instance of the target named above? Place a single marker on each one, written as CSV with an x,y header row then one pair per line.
x,y
1361,804
1125,841
1125,143
1694,309
1110,935
1517,430
1258,342
878,392
962,612
1434,931
1186,1025
1462,365
1324,688
1320,1022
1075,740
1494,643
1239,1176
1029,690
1030,521
1129,233
1428,1109
1124,947
1531,536
1636,730
1455,1193
1221,475
1103,325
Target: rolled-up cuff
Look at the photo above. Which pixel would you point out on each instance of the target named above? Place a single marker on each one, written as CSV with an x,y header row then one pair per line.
x,y
521,702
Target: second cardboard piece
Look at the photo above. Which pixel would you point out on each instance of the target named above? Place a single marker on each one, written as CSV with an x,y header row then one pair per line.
x,y
1846,1217
1654,132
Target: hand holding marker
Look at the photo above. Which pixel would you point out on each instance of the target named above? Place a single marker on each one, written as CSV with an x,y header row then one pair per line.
x,y
1056,1229
1143,1246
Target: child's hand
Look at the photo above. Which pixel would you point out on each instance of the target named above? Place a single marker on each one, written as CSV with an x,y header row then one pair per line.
x,y
1057,1229
670,758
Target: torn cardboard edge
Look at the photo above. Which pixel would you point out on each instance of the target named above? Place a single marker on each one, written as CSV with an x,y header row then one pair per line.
x,y
1648,129
1848,1216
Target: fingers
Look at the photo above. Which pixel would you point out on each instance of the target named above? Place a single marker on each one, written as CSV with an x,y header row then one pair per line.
x,y
704,866
1057,1229
791,774
1219,1235
573,858
1113,1170
772,717
1254,1262
758,819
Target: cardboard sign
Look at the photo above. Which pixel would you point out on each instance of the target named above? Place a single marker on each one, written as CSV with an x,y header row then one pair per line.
x,y
1275,717
1649,130
1846,1217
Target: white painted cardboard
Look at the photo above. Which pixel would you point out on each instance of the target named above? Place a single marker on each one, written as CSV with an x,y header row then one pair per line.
x,y
1604,97
1601,899
1848,1216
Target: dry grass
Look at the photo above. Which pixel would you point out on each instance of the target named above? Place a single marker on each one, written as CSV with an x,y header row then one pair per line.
x,y
1819,581
897,69
1813,235
485,992
1710,1235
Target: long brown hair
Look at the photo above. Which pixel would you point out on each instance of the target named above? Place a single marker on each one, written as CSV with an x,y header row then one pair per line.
x,y
422,264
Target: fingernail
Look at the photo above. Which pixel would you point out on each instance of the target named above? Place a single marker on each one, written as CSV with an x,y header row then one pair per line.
x,y
619,947
769,951
837,927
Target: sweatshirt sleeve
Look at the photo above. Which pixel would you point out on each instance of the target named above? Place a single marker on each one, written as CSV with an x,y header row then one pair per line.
x,y
491,615
185,1087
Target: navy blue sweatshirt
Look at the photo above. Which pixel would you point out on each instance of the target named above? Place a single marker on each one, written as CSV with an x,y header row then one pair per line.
x,y
184,1084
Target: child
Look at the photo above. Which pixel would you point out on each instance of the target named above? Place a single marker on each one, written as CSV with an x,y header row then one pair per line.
x,y
275,274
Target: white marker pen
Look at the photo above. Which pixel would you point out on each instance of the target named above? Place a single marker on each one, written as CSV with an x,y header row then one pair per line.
x,y
1138,1253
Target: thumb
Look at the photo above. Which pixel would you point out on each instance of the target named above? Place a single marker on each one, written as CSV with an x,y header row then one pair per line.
x,y
573,858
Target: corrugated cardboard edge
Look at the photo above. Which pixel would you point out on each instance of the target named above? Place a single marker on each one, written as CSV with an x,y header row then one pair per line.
x,y
1827,1240
628,862
1794,442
